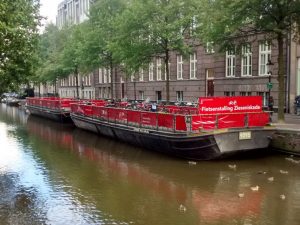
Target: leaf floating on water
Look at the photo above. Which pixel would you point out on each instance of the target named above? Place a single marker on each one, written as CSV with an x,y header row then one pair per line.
x,y
224,178
262,172
256,188
271,179
182,208
282,197
192,163
241,195
233,166
283,171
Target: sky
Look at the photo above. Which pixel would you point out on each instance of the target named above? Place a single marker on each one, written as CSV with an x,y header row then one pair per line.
x,y
49,9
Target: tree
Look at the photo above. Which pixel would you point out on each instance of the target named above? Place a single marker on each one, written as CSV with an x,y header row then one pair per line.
x,y
227,22
71,56
49,51
100,35
19,20
154,28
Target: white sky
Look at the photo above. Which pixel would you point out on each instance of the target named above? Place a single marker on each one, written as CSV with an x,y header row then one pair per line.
x,y
49,9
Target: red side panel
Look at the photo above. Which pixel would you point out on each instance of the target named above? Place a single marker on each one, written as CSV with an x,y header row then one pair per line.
x,y
148,119
258,119
134,116
231,121
166,120
180,123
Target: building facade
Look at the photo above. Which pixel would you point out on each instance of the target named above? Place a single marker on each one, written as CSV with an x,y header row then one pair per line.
x,y
71,12
252,70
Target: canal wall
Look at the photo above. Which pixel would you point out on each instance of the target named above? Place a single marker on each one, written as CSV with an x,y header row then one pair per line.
x,y
287,136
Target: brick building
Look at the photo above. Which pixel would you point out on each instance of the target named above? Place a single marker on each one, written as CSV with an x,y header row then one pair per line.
x,y
204,73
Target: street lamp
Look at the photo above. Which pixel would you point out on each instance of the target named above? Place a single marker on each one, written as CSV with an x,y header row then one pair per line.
x,y
270,85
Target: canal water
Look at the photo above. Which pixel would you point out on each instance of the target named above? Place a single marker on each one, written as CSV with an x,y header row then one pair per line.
x,y
57,174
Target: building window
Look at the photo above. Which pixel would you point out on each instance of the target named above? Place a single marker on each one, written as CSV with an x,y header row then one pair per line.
x,y
246,60
151,68
109,75
141,95
230,63
209,47
179,67
158,69
229,93
100,76
243,93
141,75
179,96
165,70
264,57
104,76
158,95
265,96
193,65
132,78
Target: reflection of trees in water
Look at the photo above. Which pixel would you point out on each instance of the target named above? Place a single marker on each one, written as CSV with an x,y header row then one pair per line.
x,y
12,115
18,204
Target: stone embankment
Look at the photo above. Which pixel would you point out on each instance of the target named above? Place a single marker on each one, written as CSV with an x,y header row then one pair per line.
x,y
287,136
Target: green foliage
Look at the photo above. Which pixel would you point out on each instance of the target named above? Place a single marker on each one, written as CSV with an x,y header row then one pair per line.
x,y
51,44
18,40
153,28
232,22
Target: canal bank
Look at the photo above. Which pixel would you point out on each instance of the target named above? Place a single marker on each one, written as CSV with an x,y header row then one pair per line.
x,y
287,135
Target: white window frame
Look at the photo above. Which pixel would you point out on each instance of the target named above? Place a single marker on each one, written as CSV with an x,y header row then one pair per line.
x,y
179,67
179,96
169,64
141,74
210,47
142,95
246,62
104,76
230,63
109,76
158,69
193,66
265,51
151,69
100,76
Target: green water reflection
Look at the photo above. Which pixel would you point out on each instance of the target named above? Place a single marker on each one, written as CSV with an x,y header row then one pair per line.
x,y
54,174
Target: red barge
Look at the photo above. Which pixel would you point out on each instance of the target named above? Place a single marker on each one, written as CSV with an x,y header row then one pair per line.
x,y
57,109
218,127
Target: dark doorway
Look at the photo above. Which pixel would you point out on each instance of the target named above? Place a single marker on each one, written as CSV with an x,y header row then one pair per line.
x,y
158,95
210,88
122,90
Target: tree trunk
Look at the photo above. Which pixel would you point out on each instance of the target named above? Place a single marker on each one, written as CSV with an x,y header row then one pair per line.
x,y
281,89
167,56
111,80
39,89
134,88
76,81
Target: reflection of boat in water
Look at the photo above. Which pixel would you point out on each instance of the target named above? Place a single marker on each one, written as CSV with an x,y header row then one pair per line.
x,y
167,178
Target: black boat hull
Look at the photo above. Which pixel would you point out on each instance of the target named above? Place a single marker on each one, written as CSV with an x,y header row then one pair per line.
x,y
193,147
56,115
